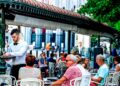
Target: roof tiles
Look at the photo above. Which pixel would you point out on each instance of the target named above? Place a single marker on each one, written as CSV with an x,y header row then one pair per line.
x,y
50,8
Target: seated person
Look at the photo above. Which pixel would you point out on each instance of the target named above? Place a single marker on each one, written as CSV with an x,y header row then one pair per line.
x,y
61,61
79,59
43,59
102,72
29,71
86,64
71,73
43,64
75,51
51,58
117,68
82,69
117,63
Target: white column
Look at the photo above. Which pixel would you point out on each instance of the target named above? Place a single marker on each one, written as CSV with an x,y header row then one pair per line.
x,y
38,32
66,40
23,32
26,34
48,33
58,33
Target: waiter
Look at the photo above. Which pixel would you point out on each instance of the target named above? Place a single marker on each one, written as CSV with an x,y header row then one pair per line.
x,y
18,49
81,49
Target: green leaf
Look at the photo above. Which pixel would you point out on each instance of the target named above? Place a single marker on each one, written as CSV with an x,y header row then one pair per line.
x,y
104,11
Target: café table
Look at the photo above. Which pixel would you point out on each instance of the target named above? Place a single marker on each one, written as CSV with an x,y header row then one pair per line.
x,y
47,83
3,67
52,78
7,57
48,80
43,66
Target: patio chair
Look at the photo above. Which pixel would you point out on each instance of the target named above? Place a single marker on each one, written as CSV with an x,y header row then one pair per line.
x,y
30,82
7,80
61,68
51,69
81,81
113,79
76,81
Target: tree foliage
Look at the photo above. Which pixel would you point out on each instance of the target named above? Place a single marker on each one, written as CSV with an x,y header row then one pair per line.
x,y
105,11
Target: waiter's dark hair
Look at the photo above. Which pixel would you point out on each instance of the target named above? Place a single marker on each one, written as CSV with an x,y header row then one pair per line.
x,y
15,31
30,59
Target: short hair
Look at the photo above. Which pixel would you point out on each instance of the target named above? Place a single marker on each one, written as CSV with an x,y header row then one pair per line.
x,y
30,59
65,55
117,58
74,51
73,57
52,55
100,56
15,31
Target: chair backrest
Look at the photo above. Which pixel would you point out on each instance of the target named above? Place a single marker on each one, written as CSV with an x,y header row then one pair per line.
x,y
62,67
116,78
76,81
81,81
7,80
61,64
83,70
30,82
51,69
113,79
85,80
51,65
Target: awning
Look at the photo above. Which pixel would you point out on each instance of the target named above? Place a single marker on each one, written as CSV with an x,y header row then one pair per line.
x,y
52,15
34,22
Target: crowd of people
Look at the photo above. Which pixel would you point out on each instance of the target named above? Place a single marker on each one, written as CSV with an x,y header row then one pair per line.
x,y
66,67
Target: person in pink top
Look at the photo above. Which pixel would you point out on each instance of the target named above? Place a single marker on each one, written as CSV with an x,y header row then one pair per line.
x,y
71,73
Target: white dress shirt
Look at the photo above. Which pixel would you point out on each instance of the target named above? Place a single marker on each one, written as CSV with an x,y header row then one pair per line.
x,y
80,50
19,51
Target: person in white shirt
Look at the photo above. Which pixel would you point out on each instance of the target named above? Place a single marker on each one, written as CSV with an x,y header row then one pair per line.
x,y
19,50
79,65
29,71
81,49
